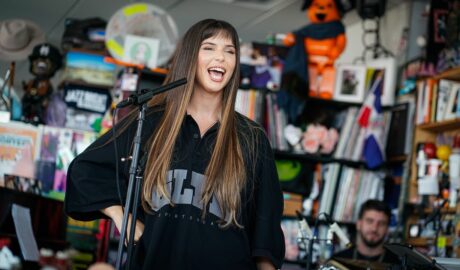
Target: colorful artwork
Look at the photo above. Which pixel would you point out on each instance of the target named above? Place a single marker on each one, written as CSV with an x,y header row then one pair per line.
x,y
19,144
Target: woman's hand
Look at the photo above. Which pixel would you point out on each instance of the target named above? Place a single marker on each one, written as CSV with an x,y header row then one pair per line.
x,y
264,264
115,212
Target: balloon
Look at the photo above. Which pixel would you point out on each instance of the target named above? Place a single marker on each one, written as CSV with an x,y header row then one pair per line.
x,y
430,150
443,152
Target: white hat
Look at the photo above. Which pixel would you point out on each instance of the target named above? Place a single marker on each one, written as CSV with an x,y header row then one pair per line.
x,y
17,38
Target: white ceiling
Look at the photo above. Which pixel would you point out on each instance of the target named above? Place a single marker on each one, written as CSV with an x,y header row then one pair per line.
x,y
253,19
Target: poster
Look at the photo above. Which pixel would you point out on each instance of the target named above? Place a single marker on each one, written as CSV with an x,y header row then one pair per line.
x,y
19,148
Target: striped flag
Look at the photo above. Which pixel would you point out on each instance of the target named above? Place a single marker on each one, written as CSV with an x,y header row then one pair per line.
x,y
371,119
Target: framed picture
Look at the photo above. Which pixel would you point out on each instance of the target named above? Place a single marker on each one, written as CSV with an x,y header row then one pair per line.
x,y
19,149
350,83
388,65
452,102
141,50
90,68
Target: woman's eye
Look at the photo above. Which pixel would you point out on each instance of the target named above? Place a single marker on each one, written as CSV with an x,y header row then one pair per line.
x,y
230,52
207,48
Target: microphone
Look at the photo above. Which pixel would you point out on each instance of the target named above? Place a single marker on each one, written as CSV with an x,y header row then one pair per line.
x,y
146,94
335,228
305,230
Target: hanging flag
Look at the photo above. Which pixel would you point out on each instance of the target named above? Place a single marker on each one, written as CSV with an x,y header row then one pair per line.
x,y
371,119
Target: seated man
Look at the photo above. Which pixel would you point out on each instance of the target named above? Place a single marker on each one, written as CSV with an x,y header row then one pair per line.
x,y
372,229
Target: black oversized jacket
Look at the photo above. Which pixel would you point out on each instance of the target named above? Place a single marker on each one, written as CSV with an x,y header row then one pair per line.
x,y
175,237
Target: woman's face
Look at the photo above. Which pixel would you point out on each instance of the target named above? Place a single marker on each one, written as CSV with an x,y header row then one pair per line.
x,y
216,64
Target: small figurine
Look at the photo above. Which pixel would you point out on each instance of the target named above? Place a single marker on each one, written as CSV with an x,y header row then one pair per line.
x,y
45,60
317,46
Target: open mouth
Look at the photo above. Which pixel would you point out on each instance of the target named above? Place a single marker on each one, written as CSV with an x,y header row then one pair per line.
x,y
216,73
320,16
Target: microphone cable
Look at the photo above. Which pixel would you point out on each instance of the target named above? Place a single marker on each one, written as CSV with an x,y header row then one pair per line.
x,y
115,146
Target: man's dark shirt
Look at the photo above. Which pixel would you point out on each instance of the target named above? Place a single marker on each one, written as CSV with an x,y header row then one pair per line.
x,y
352,253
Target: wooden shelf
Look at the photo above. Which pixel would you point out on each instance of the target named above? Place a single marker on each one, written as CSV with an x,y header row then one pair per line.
x,y
397,159
323,159
333,103
449,210
450,74
443,126
81,82
417,209
423,241
302,156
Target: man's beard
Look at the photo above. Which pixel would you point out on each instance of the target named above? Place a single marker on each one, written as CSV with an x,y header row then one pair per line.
x,y
371,244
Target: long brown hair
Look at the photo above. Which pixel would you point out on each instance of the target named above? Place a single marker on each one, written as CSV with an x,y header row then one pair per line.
x,y
226,173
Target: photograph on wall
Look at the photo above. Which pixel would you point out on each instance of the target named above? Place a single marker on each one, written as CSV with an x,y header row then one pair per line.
x,y
388,65
141,51
262,65
440,23
350,83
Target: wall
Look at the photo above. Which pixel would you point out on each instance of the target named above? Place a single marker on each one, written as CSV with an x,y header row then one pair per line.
x,y
391,29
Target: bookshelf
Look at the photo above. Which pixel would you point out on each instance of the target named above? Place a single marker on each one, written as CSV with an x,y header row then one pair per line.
x,y
428,132
428,129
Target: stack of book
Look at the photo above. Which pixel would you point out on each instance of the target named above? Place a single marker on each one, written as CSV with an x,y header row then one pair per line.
x,y
437,101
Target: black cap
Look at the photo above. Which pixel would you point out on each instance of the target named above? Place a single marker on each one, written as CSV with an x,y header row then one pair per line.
x,y
47,51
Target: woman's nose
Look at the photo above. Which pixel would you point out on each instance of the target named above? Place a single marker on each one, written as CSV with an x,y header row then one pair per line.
x,y
219,55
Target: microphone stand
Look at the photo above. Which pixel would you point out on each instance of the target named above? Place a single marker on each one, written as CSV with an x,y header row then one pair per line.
x,y
136,170
436,218
309,258
314,236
